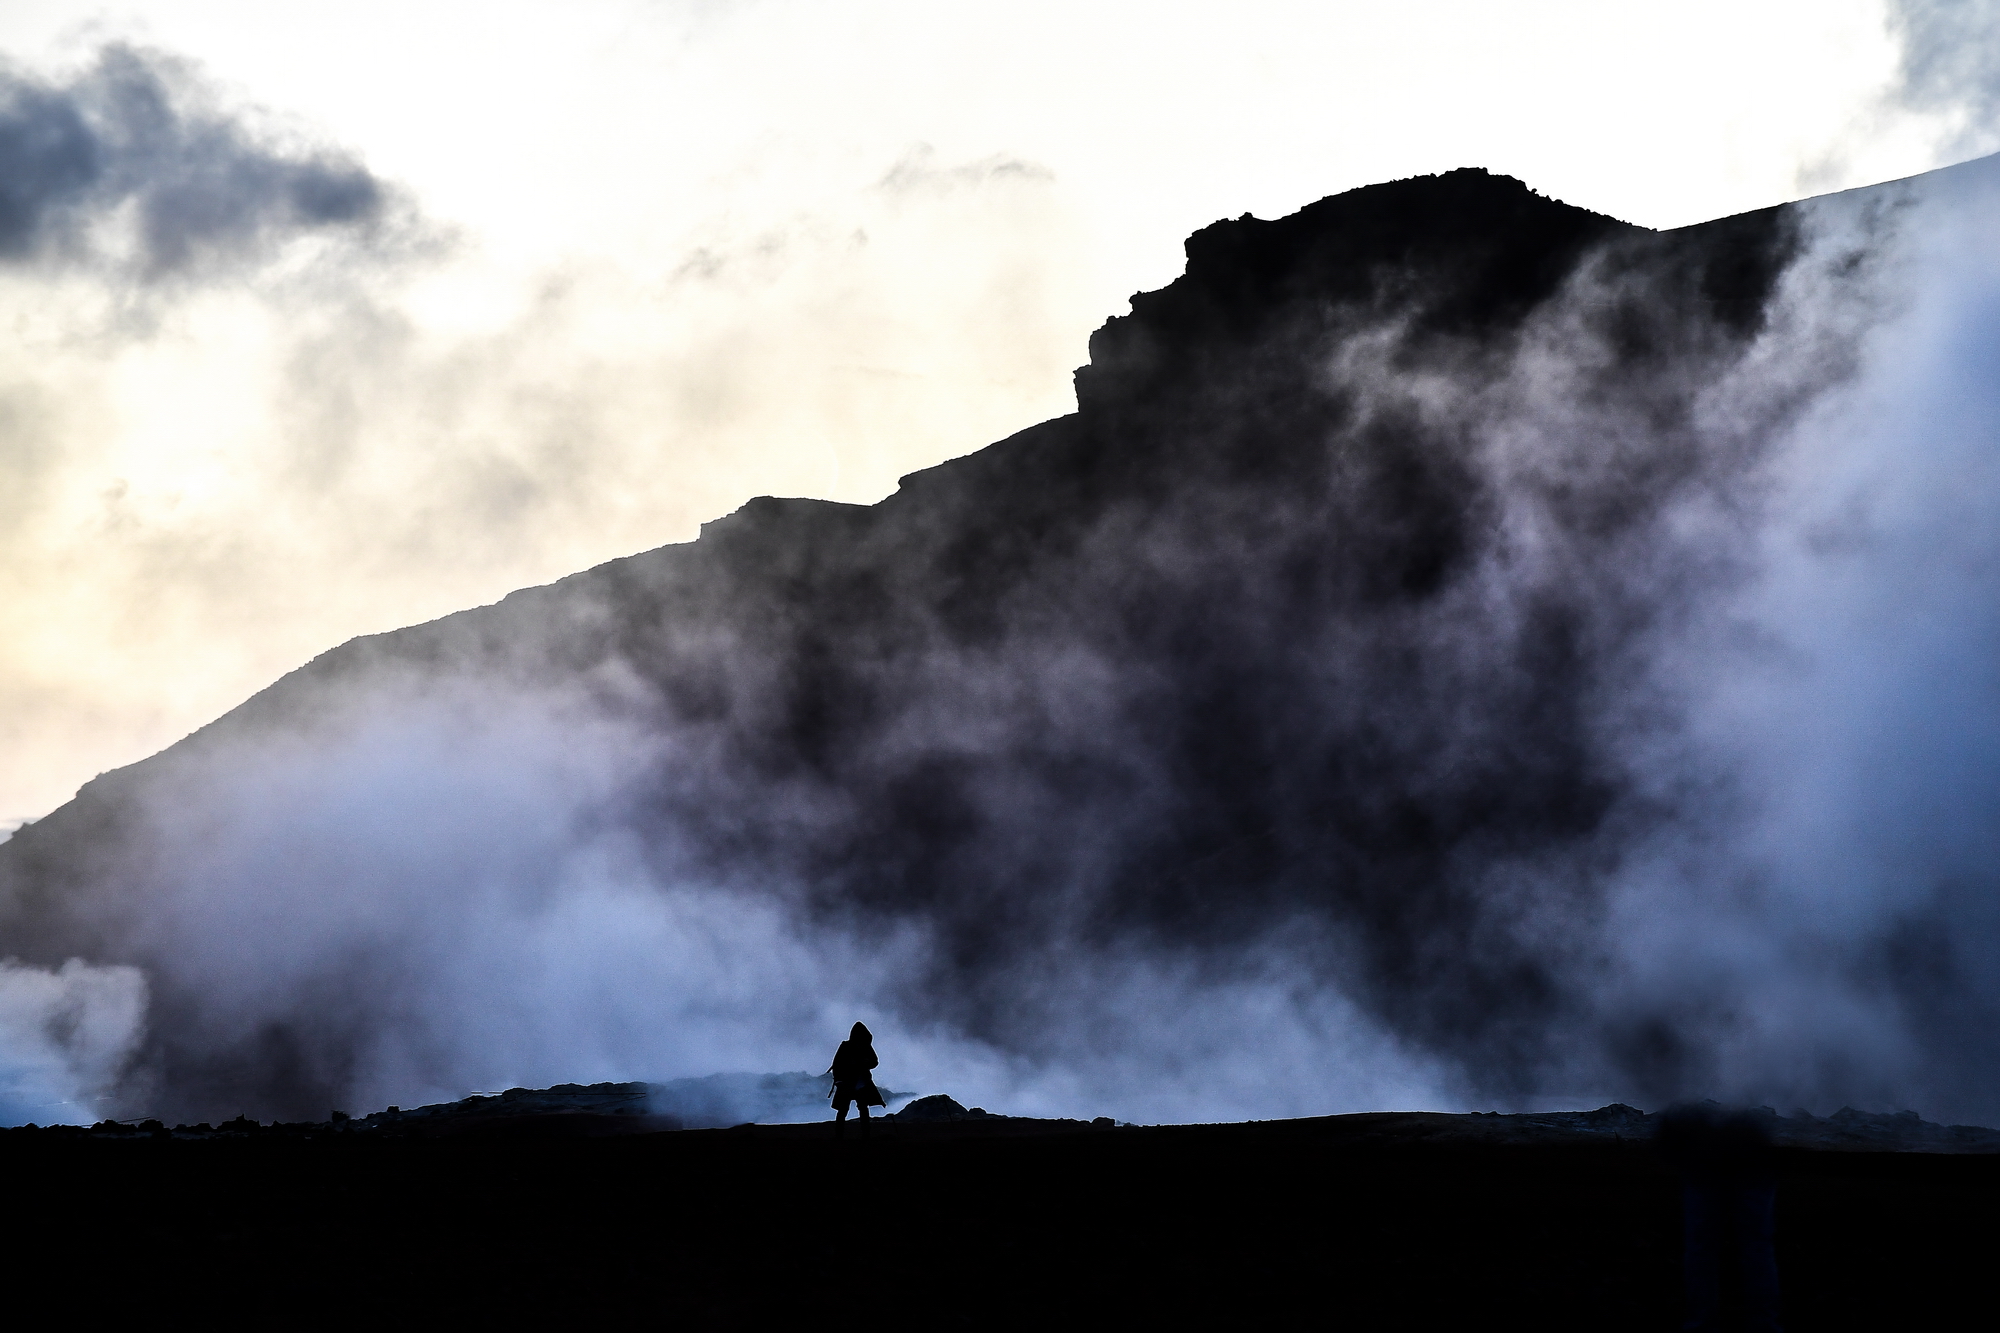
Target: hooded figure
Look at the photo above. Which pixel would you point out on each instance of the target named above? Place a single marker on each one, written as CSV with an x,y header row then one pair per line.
x,y
851,1080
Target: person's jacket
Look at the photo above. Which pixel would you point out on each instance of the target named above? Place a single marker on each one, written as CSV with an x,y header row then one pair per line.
x,y
852,1061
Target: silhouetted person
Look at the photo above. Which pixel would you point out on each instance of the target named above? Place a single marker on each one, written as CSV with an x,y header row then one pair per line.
x,y
1729,1192
851,1080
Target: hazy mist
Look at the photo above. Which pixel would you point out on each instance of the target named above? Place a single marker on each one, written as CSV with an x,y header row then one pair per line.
x,y
1606,712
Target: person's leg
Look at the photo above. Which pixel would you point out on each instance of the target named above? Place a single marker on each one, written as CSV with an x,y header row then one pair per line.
x,y
863,1106
840,1120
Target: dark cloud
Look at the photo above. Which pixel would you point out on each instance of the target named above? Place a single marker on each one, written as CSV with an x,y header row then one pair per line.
x,y
1951,63
137,139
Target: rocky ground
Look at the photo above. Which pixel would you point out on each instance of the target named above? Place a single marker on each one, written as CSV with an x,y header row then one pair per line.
x,y
951,1219
768,1101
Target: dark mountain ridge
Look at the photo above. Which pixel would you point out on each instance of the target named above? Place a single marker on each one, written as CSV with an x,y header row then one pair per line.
x,y
1284,644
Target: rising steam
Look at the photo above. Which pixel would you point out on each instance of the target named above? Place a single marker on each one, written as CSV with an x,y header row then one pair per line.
x,y
1464,652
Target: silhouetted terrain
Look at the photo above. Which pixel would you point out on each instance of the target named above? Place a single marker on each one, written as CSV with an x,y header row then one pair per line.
x,y
1358,1222
743,1101
1316,651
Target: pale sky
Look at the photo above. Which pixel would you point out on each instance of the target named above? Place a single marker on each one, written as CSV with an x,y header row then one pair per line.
x,y
637,262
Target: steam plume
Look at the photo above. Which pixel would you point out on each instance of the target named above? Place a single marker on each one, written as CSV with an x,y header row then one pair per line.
x,y
1463,650
1950,65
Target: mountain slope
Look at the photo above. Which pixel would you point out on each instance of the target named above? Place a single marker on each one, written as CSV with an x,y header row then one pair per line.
x,y
1314,655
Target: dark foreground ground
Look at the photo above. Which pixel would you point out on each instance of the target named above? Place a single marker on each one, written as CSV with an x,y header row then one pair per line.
x,y
1362,1222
